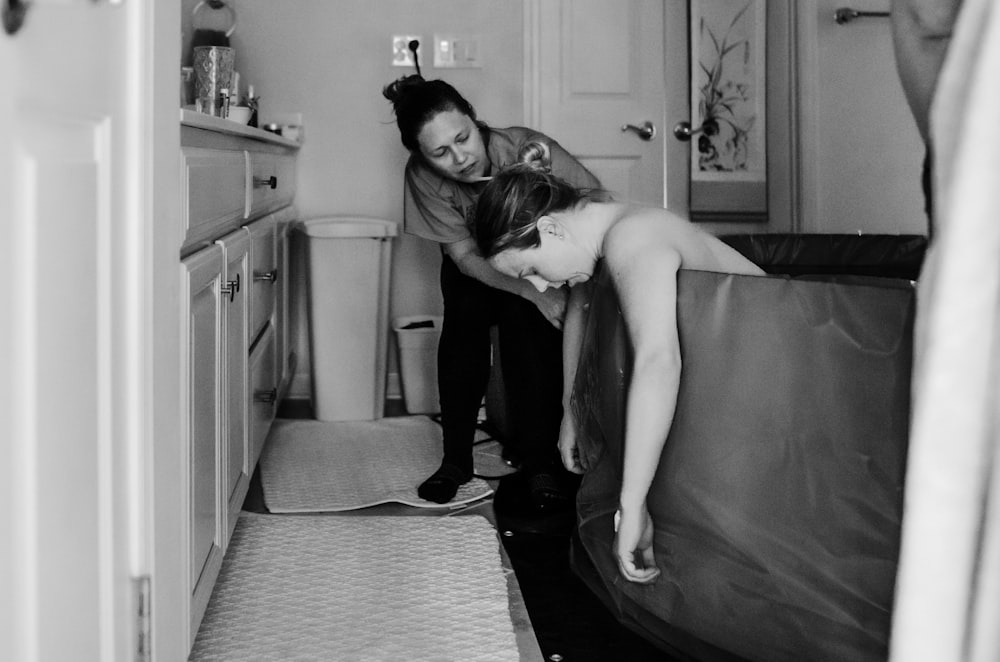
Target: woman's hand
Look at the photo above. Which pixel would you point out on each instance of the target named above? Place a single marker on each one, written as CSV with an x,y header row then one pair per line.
x,y
634,540
551,303
568,450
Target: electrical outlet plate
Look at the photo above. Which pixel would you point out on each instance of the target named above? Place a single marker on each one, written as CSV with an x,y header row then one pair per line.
x,y
452,51
402,56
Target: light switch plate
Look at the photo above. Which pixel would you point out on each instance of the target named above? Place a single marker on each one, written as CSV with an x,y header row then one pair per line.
x,y
457,51
402,56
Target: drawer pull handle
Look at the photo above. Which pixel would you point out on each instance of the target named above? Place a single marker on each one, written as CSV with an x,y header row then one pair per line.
x,y
270,276
231,288
268,397
271,182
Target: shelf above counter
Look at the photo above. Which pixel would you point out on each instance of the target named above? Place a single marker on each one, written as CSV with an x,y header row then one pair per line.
x,y
196,120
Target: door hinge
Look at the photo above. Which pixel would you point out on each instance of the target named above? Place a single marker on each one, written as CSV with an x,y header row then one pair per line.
x,y
143,619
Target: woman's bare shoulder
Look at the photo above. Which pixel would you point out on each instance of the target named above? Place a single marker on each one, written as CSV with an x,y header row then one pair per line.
x,y
643,239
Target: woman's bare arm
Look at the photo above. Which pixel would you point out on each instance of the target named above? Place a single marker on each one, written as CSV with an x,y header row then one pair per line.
x,y
645,277
921,31
573,330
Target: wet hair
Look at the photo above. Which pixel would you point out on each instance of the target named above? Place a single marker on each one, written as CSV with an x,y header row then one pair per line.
x,y
416,101
513,201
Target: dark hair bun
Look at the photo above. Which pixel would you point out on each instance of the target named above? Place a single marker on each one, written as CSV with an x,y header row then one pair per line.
x,y
536,155
396,90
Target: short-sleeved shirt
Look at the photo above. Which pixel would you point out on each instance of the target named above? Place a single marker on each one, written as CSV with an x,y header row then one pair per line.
x,y
439,208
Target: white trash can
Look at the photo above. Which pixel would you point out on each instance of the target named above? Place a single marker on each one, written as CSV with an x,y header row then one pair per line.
x,y
417,338
348,292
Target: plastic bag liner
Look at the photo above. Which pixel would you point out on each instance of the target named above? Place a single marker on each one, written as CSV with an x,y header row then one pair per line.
x,y
777,500
882,255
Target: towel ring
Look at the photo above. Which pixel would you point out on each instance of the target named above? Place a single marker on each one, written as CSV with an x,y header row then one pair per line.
x,y
217,4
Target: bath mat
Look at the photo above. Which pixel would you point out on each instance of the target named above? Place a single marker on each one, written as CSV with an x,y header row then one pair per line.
x,y
319,466
358,589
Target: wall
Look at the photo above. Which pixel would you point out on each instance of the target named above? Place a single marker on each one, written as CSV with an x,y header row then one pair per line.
x,y
329,61
859,148
862,154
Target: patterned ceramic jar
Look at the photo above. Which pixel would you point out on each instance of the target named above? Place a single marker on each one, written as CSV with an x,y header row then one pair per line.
x,y
213,69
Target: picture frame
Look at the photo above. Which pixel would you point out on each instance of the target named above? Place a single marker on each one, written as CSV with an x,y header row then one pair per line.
x,y
728,110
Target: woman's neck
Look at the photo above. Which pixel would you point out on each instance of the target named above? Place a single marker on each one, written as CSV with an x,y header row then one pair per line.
x,y
590,224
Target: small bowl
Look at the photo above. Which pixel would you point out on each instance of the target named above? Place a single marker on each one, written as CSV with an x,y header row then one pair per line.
x,y
240,114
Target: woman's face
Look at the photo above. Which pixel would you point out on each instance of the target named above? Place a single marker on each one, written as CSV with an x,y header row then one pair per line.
x,y
451,143
556,262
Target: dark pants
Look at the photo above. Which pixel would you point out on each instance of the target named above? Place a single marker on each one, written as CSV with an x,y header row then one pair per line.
x,y
532,369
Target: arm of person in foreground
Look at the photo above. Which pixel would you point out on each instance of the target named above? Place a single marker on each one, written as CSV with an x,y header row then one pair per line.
x,y
465,255
573,328
921,32
646,282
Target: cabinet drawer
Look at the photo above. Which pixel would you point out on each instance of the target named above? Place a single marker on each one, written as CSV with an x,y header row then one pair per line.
x,y
265,277
214,190
272,181
263,390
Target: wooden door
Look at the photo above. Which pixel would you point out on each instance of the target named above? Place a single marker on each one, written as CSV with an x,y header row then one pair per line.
x,y
596,66
71,374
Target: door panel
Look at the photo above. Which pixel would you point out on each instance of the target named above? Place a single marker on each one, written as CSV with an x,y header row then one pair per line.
x,y
69,546
589,86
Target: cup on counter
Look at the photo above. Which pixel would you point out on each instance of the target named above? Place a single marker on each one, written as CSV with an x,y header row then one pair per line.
x,y
213,69
240,114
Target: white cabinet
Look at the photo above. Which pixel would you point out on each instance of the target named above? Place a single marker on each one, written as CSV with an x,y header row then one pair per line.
x,y
202,408
234,263
236,247
216,400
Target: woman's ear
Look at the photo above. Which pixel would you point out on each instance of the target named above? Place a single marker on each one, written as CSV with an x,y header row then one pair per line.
x,y
547,225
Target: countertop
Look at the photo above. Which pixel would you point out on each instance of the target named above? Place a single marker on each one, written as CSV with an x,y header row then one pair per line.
x,y
202,121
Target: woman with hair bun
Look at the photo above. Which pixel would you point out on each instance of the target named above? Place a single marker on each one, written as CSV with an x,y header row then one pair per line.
x,y
452,155
536,227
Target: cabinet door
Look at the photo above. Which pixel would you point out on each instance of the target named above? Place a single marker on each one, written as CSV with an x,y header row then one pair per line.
x,y
203,404
236,450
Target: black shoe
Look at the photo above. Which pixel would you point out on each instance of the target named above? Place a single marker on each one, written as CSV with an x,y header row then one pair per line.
x,y
546,492
510,456
443,484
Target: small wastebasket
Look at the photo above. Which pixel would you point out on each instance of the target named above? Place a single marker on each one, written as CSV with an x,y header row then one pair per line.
x,y
348,292
417,338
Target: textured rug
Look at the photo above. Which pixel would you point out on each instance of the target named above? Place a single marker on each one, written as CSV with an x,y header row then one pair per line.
x,y
359,588
317,466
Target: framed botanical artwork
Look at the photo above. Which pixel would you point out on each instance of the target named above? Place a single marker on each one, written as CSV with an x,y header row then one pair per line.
x,y
728,113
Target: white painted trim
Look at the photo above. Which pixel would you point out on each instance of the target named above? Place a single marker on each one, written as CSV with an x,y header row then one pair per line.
x,y
806,52
165,469
531,40
794,120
